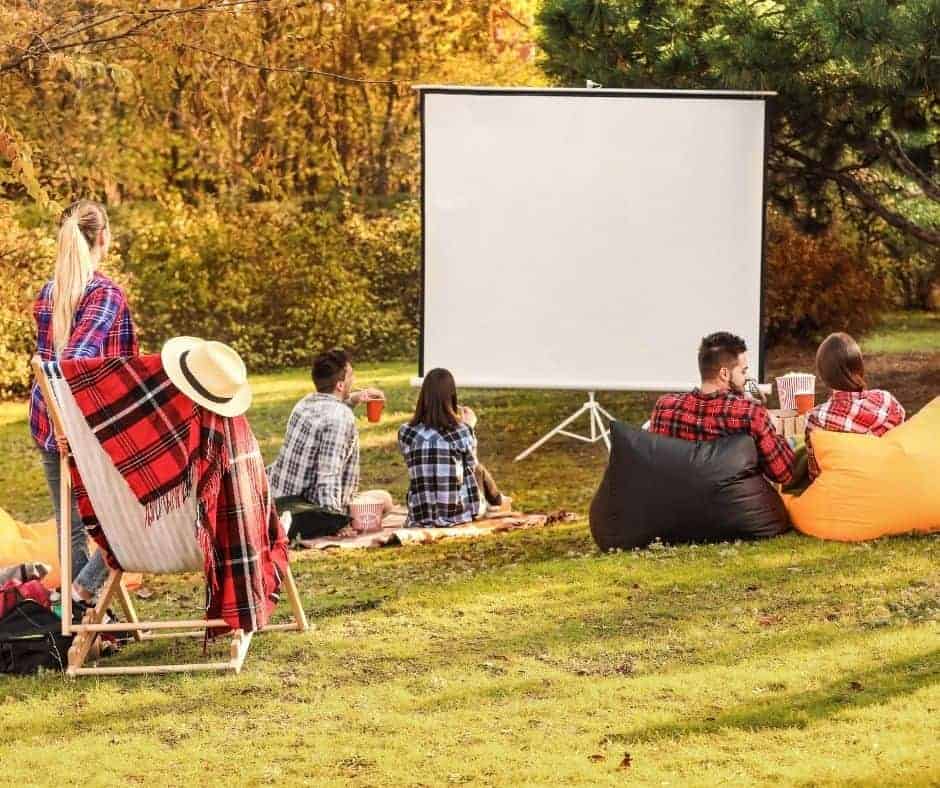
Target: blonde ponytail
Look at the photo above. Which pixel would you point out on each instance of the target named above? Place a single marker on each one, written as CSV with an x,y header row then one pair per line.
x,y
75,265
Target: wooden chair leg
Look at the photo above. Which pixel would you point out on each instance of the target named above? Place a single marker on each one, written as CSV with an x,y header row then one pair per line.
x,y
300,617
83,641
240,644
130,612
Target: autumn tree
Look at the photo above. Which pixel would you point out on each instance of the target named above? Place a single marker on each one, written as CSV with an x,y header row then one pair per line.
x,y
249,99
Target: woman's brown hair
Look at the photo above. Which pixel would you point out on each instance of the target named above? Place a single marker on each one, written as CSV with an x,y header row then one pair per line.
x,y
437,402
839,363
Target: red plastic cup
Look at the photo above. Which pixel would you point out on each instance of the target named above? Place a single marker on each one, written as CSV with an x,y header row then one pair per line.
x,y
374,408
805,403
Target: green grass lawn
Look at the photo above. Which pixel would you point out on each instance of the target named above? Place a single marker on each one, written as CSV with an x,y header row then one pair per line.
x,y
904,332
526,659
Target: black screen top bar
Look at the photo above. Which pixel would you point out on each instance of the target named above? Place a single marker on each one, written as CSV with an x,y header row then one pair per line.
x,y
639,93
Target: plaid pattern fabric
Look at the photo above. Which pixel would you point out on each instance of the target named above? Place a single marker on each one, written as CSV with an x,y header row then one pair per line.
x,y
320,456
442,488
872,412
703,417
102,327
248,543
166,447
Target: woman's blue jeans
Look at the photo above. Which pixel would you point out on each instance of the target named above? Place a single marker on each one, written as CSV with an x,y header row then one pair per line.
x,y
89,572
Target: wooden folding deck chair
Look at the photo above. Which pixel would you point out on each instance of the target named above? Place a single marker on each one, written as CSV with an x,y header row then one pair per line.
x,y
168,546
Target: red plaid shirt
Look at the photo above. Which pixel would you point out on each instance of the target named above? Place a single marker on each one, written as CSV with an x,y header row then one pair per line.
x,y
704,417
871,412
102,327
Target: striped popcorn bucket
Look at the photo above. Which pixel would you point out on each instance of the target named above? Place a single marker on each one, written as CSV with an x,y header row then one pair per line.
x,y
793,384
366,515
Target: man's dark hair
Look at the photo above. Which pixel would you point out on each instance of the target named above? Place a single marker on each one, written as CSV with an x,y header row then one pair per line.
x,y
718,350
329,368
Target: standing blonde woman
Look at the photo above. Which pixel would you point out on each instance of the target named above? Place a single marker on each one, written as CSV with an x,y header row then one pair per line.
x,y
80,313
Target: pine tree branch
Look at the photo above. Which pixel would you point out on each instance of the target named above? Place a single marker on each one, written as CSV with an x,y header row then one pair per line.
x,y
862,195
900,159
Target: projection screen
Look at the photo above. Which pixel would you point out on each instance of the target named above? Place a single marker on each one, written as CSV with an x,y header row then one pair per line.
x,y
588,239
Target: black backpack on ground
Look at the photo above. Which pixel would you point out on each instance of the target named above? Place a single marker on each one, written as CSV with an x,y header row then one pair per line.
x,y
31,638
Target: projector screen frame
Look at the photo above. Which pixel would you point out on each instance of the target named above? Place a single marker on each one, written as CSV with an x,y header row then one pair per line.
x,y
425,90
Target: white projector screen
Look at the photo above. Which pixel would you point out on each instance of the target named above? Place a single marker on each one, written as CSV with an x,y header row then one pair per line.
x,y
588,239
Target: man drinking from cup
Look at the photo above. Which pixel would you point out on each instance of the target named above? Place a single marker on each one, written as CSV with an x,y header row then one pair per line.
x,y
720,407
316,473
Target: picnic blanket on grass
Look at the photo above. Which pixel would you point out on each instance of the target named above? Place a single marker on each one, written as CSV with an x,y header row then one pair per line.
x,y
394,532
168,449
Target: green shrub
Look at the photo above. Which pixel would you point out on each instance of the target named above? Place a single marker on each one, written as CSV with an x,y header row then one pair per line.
x,y
275,282
818,284
914,278
26,262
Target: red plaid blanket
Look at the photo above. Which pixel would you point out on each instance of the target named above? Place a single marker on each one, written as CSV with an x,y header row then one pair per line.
x,y
165,446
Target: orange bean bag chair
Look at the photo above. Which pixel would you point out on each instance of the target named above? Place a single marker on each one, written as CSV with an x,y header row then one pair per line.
x,y
20,543
872,487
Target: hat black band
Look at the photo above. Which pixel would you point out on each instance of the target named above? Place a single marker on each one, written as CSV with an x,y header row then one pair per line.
x,y
201,390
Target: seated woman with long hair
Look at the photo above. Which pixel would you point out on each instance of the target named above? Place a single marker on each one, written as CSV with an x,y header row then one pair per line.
x,y
439,447
852,406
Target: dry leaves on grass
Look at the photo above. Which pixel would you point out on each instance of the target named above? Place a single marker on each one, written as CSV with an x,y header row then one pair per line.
x,y
625,763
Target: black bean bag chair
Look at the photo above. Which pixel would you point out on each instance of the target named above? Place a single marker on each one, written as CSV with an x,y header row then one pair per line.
x,y
657,487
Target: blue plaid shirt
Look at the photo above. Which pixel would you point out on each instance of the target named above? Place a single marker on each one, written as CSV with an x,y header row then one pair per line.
x,y
102,327
320,456
442,489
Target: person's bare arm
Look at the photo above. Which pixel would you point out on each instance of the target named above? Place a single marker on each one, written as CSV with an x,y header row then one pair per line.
x,y
364,395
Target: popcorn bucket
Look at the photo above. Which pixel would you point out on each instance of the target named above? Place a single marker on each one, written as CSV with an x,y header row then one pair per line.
x,y
366,515
791,385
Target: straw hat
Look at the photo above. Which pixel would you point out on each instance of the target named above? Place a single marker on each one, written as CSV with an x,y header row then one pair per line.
x,y
210,373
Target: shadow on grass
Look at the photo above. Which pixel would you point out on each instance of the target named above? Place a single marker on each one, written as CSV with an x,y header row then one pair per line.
x,y
798,710
344,608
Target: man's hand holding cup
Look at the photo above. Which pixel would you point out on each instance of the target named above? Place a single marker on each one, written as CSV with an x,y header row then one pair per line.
x,y
373,398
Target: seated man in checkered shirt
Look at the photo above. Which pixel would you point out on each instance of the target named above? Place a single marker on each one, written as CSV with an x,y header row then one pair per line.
x,y
316,473
719,407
